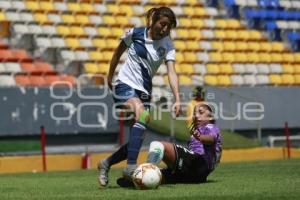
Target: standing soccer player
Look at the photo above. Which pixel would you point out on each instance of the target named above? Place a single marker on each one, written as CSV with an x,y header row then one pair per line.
x,y
147,48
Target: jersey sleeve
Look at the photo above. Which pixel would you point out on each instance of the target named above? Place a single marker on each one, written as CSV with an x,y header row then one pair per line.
x,y
171,53
212,131
127,37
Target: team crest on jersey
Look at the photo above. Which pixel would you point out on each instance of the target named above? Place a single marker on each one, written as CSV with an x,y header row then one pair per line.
x,y
161,51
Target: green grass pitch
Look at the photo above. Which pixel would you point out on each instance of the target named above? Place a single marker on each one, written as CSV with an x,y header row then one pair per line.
x,y
250,180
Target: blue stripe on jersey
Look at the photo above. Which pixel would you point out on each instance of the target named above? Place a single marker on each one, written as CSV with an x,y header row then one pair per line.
x,y
139,42
146,78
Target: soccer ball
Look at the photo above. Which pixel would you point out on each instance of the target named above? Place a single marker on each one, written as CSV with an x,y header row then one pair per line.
x,y
146,176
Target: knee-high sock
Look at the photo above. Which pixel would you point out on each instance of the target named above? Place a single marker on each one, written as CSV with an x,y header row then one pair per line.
x,y
118,156
156,152
135,142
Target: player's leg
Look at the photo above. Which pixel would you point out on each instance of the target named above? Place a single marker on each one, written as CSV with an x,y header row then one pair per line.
x,y
136,137
161,151
104,165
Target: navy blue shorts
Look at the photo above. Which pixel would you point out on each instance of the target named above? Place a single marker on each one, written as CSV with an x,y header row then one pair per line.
x,y
123,92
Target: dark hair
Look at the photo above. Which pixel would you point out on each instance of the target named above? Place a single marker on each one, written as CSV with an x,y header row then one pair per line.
x,y
212,121
199,92
154,14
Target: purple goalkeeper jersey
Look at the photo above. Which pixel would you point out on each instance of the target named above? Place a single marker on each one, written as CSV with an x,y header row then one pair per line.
x,y
211,153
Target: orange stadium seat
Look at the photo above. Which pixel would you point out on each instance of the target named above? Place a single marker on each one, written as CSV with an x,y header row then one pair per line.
x,y
43,67
37,80
51,79
68,78
22,80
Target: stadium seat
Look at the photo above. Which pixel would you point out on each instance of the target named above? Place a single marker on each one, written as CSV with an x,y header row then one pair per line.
x,y
85,42
179,45
63,30
249,80
37,80
192,45
96,56
82,19
28,67
68,78
77,31
22,80
82,55
287,79
186,69
212,69
185,80
262,80
104,32
72,43
73,7
158,81
43,67
275,79
68,19
41,18
250,68
197,80
237,80
189,57
12,67
33,5
210,80
224,80
275,68
7,81
199,69
197,23
238,68
287,69
60,6
262,69
213,56
2,67
297,79
47,6
91,68
225,68
87,8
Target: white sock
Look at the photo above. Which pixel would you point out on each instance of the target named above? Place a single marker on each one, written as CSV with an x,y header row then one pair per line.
x,y
156,152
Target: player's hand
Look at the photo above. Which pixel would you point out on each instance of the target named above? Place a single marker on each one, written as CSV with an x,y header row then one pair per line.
x,y
176,109
109,82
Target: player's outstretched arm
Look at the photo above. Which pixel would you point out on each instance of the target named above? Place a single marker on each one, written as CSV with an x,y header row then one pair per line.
x,y
114,62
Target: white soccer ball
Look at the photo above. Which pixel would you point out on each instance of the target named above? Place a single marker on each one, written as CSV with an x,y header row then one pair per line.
x,y
146,176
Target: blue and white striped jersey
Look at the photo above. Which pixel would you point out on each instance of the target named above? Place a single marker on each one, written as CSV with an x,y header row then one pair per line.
x,y
144,58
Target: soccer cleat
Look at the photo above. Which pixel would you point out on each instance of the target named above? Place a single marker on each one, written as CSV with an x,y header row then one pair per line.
x,y
103,169
128,171
124,182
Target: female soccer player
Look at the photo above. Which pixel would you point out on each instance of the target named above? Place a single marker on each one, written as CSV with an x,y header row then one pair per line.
x,y
147,48
195,163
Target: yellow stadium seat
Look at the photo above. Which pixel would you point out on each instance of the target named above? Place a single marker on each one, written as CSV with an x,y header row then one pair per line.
x,y
99,43
231,34
73,43
264,57
87,8
126,9
112,43
288,57
277,46
195,34
210,80
82,19
2,16
68,18
218,46
190,2
33,5
192,45
74,7
253,46
104,31
178,69
63,30
296,69
255,35
215,57
265,46
276,57
220,35
243,35
233,23
221,23
275,79
117,32
240,57
185,80
91,68
179,57
287,69
186,69
182,33
224,80
229,46
179,45
107,55
297,57
77,31
185,22
41,18
166,79
47,6
253,57
212,69
123,21
103,68
189,57
225,68
200,12
287,79
197,23
241,46
96,56
109,20
228,57
113,8
188,10
297,79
